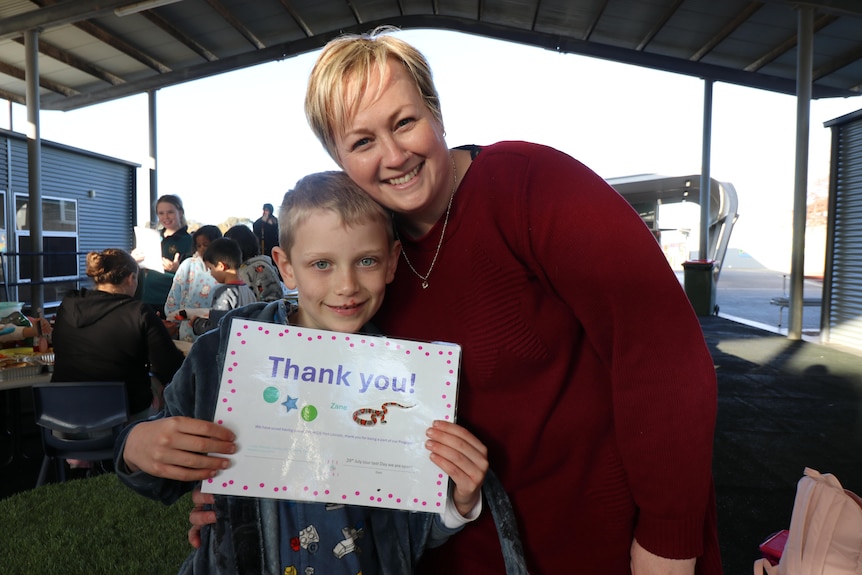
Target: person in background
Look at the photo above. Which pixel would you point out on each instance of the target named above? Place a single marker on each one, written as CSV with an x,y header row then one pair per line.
x,y
341,251
193,283
10,332
177,245
103,334
584,371
223,258
266,230
257,270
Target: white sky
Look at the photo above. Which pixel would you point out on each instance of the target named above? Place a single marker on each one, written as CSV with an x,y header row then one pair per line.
x,y
228,144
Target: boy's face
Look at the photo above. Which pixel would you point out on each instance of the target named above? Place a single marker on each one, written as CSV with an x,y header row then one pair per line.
x,y
340,273
201,245
217,271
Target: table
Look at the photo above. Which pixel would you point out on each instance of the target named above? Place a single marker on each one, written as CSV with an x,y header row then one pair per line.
x,y
10,407
10,384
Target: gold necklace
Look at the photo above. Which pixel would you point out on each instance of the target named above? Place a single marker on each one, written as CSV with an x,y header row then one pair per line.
x,y
442,232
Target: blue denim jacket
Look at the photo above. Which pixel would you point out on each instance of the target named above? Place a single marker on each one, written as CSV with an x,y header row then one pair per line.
x,y
246,536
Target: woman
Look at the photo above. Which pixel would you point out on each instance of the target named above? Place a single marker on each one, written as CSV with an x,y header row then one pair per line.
x,y
584,368
266,230
103,334
192,285
177,245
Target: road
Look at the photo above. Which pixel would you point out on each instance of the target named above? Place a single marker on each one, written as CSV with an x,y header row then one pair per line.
x,y
745,293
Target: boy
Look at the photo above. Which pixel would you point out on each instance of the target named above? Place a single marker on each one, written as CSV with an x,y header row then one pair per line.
x,y
337,248
223,257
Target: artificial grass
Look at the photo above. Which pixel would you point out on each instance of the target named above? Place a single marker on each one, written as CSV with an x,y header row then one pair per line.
x,y
91,526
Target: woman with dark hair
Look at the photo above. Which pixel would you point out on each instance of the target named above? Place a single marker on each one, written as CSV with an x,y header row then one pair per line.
x,y
103,334
257,270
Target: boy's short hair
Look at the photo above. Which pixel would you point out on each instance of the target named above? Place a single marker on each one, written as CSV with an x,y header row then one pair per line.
x,y
333,191
225,251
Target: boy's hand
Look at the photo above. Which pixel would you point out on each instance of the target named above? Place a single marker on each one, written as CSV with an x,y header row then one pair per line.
x,y
463,457
177,447
200,516
173,328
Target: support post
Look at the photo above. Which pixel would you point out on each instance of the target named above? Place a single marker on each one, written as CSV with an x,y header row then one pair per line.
x,y
154,176
706,147
805,51
34,168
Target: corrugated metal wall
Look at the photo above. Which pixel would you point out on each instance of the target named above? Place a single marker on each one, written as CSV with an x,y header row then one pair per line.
x,y
843,275
105,215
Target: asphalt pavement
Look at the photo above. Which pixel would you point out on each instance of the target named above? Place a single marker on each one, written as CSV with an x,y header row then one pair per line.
x,y
743,294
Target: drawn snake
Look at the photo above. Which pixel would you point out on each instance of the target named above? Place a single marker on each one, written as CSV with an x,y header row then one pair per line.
x,y
375,413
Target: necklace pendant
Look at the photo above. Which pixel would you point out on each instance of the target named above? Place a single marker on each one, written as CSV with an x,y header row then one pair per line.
x,y
425,284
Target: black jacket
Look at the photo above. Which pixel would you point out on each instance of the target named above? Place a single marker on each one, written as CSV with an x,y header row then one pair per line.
x,y
100,336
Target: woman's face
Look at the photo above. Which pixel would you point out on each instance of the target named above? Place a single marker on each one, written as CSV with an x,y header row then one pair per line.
x,y
169,216
394,149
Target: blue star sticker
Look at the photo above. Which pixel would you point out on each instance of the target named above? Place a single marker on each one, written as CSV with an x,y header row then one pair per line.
x,y
290,403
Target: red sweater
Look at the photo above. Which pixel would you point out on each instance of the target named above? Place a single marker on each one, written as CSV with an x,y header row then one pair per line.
x,y
584,367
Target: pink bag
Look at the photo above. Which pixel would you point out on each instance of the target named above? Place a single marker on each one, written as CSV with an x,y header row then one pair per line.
x,y
825,531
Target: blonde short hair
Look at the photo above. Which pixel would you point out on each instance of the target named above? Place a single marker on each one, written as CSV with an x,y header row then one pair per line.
x,y
341,74
332,191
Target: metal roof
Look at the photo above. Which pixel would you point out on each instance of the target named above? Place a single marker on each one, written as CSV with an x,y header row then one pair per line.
x,y
88,54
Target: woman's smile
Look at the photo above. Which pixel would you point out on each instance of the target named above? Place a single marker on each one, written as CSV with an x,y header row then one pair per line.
x,y
407,177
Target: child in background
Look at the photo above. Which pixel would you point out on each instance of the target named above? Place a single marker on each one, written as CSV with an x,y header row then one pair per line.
x,y
337,248
223,258
257,270
193,284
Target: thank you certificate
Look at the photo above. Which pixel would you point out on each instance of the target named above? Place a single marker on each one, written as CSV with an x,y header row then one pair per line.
x,y
334,417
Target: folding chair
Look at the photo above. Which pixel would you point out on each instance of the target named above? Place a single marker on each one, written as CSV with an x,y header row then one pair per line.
x,y
78,420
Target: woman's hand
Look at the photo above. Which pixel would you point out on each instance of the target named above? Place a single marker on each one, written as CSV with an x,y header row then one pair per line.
x,y
171,266
199,516
38,324
138,255
646,563
463,457
177,448
45,327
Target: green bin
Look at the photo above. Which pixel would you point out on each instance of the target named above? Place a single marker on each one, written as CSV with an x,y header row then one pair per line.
x,y
699,282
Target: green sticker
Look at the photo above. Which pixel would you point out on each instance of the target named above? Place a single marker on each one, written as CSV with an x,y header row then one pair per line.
x,y
309,413
270,394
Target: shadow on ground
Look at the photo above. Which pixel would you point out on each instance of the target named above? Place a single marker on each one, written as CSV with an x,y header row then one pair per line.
x,y
782,406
